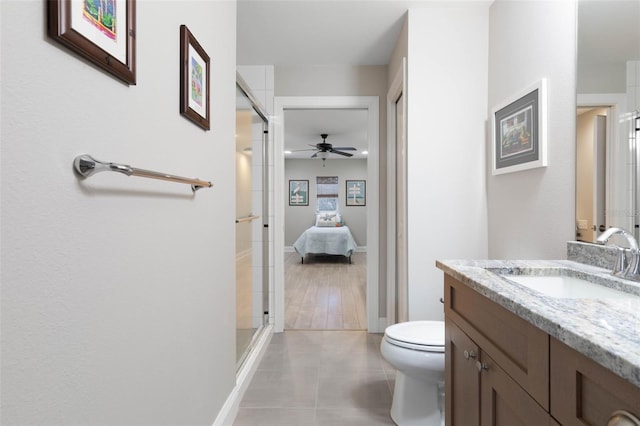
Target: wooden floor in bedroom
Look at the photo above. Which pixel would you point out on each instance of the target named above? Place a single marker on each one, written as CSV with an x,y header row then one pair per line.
x,y
325,293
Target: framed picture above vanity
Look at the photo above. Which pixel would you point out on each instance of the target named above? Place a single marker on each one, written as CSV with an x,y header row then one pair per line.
x,y
519,126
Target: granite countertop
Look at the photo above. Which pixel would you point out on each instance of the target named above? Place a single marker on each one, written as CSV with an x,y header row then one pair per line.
x,y
605,330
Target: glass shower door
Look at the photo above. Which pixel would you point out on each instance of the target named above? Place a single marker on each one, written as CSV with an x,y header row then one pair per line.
x,y
250,207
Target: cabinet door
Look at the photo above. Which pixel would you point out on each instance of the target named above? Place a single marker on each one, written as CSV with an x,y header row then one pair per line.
x,y
462,381
504,402
521,349
585,393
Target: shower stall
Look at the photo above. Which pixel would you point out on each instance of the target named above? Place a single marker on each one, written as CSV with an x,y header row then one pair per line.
x,y
252,211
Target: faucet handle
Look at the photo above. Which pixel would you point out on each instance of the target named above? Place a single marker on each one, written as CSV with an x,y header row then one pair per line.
x,y
632,271
622,262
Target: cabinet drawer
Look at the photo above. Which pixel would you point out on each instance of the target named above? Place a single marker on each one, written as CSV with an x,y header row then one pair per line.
x,y
521,349
585,393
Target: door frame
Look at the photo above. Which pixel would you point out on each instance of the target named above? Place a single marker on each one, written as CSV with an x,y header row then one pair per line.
x,y
398,87
369,103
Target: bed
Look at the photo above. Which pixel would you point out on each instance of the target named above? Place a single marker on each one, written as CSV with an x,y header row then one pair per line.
x,y
326,238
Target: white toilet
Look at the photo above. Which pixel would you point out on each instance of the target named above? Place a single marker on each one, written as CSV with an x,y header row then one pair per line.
x,y
416,350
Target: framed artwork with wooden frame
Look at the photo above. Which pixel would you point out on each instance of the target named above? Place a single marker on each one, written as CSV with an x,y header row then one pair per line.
x,y
101,31
194,80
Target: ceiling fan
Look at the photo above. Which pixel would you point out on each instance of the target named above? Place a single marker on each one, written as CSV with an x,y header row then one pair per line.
x,y
323,149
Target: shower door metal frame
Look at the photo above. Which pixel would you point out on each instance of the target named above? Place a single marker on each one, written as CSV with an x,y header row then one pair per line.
x,y
242,85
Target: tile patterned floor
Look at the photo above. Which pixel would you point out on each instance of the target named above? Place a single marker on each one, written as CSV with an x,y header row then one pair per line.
x,y
333,378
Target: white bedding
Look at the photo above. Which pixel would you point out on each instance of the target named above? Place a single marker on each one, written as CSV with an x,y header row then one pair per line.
x,y
326,240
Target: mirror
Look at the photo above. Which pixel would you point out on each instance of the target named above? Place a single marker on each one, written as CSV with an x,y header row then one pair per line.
x,y
608,101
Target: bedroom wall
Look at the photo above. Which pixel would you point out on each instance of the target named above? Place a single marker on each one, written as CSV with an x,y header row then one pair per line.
x,y
118,293
299,218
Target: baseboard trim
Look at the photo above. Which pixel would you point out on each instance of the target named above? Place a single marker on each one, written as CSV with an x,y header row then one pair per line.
x,y
382,325
229,410
290,249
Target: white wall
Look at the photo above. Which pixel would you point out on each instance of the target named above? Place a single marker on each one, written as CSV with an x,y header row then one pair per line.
x,y
298,218
633,85
447,89
531,213
117,292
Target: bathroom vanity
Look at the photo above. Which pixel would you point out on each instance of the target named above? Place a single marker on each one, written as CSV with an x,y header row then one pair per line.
x,y
523,354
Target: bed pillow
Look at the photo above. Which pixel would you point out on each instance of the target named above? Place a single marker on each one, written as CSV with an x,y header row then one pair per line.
x,y
328,219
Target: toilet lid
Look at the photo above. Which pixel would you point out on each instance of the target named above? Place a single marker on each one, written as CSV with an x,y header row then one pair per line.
x,y
427,334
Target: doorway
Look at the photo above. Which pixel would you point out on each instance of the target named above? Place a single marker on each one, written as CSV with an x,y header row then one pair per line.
x,y
370,104
591,143
610,177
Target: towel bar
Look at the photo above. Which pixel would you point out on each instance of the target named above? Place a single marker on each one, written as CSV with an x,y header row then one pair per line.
x,y
247,218
87,166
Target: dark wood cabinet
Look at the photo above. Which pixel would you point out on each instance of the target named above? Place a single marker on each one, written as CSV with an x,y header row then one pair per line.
x,y
479,392
521,349
504,402
585,393
462,384
500,370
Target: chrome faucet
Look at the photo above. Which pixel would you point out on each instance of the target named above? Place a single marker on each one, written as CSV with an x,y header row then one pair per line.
x,y
624,267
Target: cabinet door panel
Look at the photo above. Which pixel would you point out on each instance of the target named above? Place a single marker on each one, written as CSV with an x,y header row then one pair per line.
x,y
504,402
521,349
462,382
585,393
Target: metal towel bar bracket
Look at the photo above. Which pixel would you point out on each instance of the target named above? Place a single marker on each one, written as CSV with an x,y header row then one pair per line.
x,y
86,166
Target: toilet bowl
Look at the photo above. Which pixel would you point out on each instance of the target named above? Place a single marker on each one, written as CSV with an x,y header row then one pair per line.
x,y
416,350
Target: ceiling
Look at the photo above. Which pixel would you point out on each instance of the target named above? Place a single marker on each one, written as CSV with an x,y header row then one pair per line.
x,y
320,32
345,128
364,32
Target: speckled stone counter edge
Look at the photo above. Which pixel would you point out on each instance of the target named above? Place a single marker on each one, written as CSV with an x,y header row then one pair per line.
x,y
592,254
605,330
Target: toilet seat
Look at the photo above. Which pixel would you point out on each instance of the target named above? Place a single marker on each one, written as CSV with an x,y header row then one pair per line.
x,y
426,336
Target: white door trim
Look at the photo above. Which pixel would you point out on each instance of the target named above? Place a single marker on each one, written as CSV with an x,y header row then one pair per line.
x,y
370,103
398,87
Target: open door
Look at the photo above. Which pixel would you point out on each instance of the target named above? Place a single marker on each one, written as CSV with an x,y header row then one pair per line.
x,y
591,173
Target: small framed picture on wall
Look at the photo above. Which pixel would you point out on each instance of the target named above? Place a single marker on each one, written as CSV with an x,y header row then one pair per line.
x,y
298,192
356,193
195,73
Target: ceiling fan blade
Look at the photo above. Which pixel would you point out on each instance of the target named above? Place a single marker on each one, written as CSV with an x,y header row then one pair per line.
x,y
346,154
298,150
314,155
345,148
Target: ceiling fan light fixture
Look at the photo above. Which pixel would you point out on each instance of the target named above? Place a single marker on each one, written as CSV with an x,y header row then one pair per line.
x,y
324,155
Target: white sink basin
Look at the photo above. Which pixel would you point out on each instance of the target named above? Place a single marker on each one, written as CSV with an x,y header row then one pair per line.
x,y
567,287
